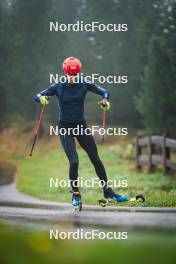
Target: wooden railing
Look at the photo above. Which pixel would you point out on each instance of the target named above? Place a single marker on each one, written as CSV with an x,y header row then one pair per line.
x,y
152,157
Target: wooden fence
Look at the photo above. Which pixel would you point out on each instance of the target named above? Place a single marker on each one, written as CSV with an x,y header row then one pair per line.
x,y
152,158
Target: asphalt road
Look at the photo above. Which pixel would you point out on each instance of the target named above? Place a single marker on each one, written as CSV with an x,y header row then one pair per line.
x,y
19,208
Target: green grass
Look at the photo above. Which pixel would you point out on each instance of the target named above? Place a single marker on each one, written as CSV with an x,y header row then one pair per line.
x,y
25,246
34,175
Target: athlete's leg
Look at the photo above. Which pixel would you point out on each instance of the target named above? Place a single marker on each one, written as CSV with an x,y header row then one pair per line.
x,y
88,144
69,146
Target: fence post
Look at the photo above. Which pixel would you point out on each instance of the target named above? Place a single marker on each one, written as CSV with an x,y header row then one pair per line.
x,y
151,150
166,154
138,153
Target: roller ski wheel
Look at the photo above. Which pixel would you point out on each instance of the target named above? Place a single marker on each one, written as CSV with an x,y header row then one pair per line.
x,y
76,201
103,202
141,198
136,200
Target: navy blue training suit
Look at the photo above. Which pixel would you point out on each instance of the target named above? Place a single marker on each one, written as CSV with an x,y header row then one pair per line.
x,y
71,99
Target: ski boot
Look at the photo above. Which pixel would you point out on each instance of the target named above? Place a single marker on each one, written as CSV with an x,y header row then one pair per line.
x,y
115,197
76,201
110,194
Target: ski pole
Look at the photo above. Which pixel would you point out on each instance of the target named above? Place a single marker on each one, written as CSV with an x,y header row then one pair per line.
x,y
37,130
104,121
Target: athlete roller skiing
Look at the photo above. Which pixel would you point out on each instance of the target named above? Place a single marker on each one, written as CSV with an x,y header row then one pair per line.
x,y
71,96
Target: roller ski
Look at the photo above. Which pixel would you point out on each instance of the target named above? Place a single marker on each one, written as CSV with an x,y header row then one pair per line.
x,y
112,197
76,201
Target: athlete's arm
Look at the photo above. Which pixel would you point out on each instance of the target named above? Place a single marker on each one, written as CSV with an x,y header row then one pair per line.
x,y
98,90
50,91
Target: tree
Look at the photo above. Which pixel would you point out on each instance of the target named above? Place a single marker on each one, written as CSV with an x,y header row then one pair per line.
x,y
157,100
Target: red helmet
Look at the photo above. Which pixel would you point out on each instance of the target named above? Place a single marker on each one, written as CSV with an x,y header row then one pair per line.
x,y
72,66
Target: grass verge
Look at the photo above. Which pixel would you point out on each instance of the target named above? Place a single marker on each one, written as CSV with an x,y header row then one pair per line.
x,y
35,173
